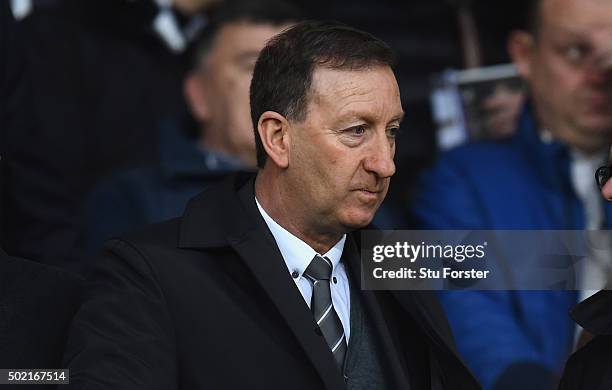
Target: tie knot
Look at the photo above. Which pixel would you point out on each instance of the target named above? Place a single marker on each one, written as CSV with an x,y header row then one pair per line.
x,y
320,268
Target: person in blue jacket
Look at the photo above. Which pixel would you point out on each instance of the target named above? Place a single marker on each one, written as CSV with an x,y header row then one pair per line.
x,y
540,178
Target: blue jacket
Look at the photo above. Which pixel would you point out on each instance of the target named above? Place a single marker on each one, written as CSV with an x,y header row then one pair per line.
x,y
509,339
133,199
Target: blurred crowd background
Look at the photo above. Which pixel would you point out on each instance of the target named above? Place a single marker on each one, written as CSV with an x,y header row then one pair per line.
x,y
115,112
94,81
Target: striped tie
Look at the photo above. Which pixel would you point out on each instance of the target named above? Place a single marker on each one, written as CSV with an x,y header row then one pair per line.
x,y
319,272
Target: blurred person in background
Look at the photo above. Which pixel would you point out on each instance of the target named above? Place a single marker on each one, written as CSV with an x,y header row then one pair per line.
x,y
541,178
103,75
590,367
217,91
108,71
37,301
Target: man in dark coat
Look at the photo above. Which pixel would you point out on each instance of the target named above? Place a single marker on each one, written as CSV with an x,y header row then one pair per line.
x,y
258,284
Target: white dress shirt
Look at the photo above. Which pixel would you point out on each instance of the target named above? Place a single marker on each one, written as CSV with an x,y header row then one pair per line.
x,y
298,255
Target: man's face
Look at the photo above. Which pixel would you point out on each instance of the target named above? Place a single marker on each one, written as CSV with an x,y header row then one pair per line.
x,y
225,82
341,155
606,190
571,87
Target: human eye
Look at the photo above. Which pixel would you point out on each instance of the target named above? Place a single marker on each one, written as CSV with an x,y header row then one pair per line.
x,y
354,135
357,131
392,132
575,53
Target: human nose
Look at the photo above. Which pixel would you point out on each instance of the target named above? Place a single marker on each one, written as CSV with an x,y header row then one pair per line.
x,y
380,156
599,69
606,190
598,74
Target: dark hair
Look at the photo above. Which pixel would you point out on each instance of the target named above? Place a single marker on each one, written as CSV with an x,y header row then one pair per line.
x,y
533,16
283,73
273,12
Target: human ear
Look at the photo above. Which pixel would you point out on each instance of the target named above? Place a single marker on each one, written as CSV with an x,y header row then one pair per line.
x,y
272,128
194,89
521,49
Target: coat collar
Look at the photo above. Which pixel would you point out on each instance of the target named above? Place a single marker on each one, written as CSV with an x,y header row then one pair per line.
x,y
227,216
595,313
219,212
181,158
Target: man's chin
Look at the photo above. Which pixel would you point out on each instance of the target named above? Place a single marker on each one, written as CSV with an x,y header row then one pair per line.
x,y
357,221
600,134
599,122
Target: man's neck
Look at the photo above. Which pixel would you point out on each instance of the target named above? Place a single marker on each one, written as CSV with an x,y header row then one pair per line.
x,y
564,133
269,194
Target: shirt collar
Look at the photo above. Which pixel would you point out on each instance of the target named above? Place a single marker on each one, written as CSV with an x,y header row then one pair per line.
x,y
182,157
296,253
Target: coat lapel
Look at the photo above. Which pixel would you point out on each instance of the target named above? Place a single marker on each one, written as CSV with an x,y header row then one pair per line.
x,y
237,223
419,307
372,303
261,254
594,315
271,273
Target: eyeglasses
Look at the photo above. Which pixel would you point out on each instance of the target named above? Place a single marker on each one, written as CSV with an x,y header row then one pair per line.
x,y
602,175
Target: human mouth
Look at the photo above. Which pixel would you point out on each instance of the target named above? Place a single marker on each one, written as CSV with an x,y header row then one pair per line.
x,y
369,194
600,101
